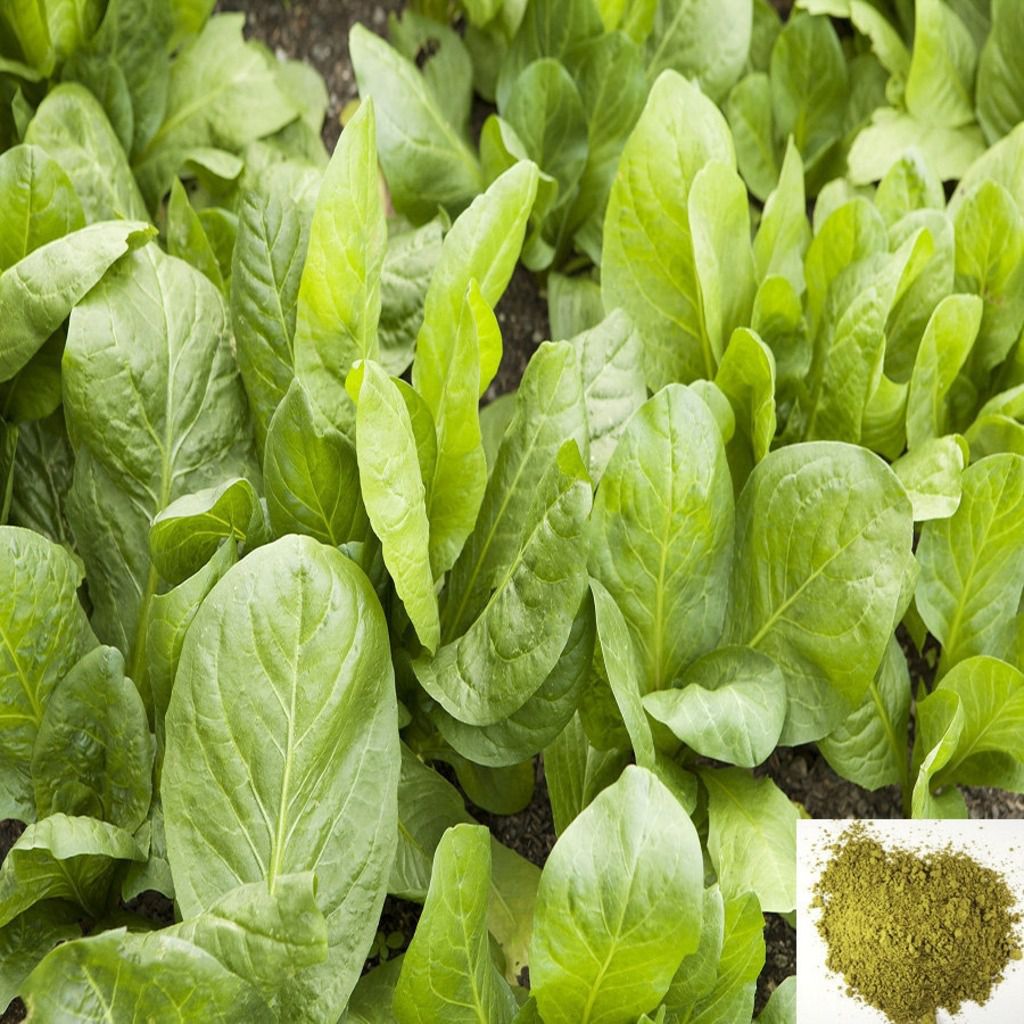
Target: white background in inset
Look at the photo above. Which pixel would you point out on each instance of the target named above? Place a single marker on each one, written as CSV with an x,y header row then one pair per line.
x,y
821,995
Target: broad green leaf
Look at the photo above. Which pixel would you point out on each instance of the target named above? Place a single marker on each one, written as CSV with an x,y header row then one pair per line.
x,y
946,724
38,203
778,319
951,151
504,657
695,976
835,527
43,467
39,291
93,753
623,679
719,214
810,87
886,42
910,184
870,747
991,708
781,1005
944,349
311,475
784,234
1001,163
619,905
126,66
447,973
62,857
752,837
514,883
186,237
404,279
549,410
393,490
613,383
940,82
1000,78
72,127
931,474
729,705
136,978
428,805
576,772
185,535
743,949
28,938
265,936
649,267
530,728
29,26
43,632
662,532
749,109
155,410
339,292
972,564
442,58
373,995
705,40
990,263
746,376
426,160
273,234
264,762
223,93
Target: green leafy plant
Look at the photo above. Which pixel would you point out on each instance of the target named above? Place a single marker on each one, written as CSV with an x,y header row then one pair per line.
x,y
289,607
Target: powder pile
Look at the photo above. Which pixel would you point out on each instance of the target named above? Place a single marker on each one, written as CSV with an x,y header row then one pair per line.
x,y
913,932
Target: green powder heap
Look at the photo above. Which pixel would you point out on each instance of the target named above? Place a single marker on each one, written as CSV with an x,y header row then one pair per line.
x,y
913,932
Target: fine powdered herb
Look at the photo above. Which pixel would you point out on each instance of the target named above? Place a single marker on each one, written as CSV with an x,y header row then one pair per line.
x,y
912,932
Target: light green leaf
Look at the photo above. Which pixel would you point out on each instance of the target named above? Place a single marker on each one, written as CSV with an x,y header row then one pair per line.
x,y
746,376
1000,78
752,837
729,705
618,658
373,995
504,657
393,490
185,535
72,127
39,291
619,905
695,976
38,203
870,747
273,234
43,632
538,722
749,109
339,293
93,754
662,532
649,267
835,526
944,349
311,474
62,857
447,973
910,184
931,474
114,976
784,233
889,48
946,724
613,383
186,237
514,882
43,466
264,761
940,83
705,40
426,160
951,151
972,564
781,1005
155,410
223,93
